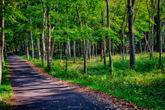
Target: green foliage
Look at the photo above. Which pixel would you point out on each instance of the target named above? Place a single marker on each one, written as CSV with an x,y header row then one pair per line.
x,y
6,89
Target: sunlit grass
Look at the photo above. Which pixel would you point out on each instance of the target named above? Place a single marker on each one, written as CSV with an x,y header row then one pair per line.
x,y
144,85
6,89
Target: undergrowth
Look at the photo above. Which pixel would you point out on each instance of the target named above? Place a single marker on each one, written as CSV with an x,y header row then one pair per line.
x,y
144,85
6,88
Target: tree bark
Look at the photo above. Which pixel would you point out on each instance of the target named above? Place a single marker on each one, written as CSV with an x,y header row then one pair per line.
x,y
61,53
67,39
31,36
43,35
27,46
52,49
152,37
69,49
104,45
38,46
159,35
122,35
131,36
49,55
3,33
109,40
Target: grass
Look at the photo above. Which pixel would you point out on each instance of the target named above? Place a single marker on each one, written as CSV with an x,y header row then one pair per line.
x,y
6,89
144,85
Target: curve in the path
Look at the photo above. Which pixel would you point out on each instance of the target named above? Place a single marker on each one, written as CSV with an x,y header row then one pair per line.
x,y
34,92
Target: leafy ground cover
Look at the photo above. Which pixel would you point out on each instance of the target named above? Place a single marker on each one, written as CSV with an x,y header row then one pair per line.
x,y
6,89
143,85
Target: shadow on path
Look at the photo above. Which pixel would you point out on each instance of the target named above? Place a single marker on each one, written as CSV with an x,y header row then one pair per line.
x,y
34,92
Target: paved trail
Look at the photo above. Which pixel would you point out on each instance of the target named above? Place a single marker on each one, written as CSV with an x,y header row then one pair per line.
x,y
34,92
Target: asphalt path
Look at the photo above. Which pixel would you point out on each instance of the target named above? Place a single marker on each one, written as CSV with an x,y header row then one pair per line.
x,y
32,91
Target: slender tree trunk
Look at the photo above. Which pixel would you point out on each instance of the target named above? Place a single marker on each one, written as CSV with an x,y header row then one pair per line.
x,y
74,44
159,35
74,52
152,37
67,39
122,35
38,46
89,51
43,35
49,55
96,49
3,33
69,49
102,49
31,36
104,45
131,36
85,57
27,47
109,43
61,53
52,49
93,51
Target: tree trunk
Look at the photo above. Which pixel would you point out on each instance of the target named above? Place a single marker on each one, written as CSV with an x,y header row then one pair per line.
x,y
131,36
31,36
159,35
122,35
27,47
3,33
38,46
109,43
74,51
102,49
69,49
85,57
43,35
96,49
89,51
49,55
52,49
152,37
61,53
104,45
93,51
67,39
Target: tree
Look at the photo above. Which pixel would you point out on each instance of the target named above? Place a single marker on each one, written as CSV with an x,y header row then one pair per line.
x,y
109,40
3,33
159,36
131,6
43,35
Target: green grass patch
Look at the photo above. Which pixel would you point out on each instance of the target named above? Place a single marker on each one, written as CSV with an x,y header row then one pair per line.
x,y
144,85
6,88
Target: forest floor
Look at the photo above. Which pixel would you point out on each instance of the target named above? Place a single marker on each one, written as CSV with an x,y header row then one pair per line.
x,y
34,89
